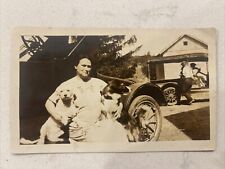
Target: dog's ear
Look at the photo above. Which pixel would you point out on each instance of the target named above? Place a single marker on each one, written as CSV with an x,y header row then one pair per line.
x,y
124,88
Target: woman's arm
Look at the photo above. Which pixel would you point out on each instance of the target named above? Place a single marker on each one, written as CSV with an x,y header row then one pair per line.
x,y
50,106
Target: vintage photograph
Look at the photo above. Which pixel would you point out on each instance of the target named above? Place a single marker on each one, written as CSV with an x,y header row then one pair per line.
x,y
113,90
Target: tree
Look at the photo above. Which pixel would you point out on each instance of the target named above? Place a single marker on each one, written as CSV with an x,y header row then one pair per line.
x,y
114,56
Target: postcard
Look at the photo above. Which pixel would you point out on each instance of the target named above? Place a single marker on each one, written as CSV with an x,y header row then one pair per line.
x,y
113,90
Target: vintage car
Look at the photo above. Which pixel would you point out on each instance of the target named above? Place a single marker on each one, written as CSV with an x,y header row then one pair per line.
x,y
145,98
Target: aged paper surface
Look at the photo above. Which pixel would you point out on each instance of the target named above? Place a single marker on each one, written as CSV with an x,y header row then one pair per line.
x,y
146,61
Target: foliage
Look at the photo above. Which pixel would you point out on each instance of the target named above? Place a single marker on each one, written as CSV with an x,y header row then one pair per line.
x,y
143,60
110,60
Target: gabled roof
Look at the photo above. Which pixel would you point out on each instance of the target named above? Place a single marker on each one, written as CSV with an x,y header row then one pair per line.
x,y
201,43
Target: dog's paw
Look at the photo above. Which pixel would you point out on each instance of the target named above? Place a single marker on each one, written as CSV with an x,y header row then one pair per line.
x,y
60,140
41,141
25,141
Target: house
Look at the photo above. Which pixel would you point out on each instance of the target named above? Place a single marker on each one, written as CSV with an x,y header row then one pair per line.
x,y
185,45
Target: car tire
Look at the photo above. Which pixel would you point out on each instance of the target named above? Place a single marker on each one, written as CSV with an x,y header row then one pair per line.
x,y
145,119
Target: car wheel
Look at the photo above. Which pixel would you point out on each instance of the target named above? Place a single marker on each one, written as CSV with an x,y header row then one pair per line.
x,y
145,119
170,94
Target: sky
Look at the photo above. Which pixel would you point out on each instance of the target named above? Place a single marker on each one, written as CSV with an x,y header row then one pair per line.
x,y
155,41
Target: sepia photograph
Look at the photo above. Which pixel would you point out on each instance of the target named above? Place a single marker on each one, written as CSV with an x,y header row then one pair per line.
x,y
113,90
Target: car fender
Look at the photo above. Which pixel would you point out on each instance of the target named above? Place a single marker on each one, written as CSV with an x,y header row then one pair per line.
x,y
171,84
149,89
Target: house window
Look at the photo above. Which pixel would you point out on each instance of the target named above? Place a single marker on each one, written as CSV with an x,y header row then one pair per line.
x,y
185,43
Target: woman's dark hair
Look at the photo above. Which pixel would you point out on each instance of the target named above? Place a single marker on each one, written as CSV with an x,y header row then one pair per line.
x,y
77,60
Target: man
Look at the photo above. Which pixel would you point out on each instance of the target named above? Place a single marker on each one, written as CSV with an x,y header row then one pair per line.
x,y
87,90
186,81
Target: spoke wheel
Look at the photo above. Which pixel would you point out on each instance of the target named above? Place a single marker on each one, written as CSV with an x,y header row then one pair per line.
x,y
170,94
145,124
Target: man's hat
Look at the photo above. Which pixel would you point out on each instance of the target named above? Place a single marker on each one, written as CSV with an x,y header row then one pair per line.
x,y
193,64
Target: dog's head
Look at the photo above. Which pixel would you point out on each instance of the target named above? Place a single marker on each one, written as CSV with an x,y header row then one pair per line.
x,y
111,97
115,86
66,94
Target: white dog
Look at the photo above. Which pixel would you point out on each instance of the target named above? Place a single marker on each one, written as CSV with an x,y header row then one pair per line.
x,y
66,110
108,129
